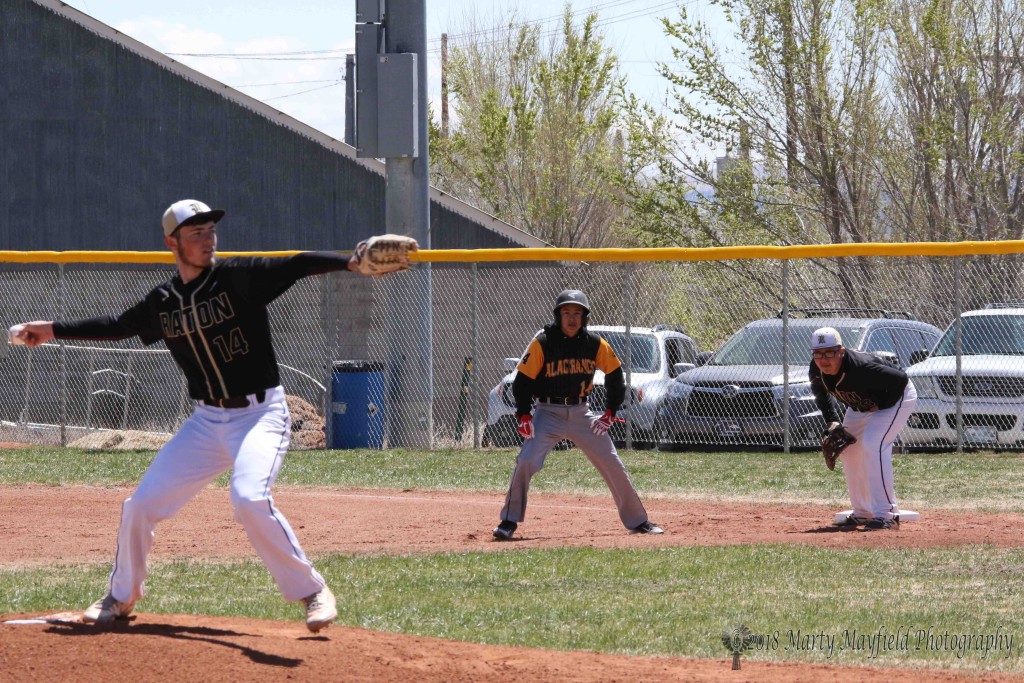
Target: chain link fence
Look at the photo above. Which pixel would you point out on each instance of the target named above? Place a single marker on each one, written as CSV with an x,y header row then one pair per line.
x,y
716,351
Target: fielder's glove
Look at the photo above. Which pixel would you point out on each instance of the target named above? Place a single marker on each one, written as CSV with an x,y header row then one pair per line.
x,y
384,254
525,426
601,425
834,441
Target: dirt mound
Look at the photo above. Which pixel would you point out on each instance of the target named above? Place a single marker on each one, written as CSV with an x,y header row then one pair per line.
x,y
184,648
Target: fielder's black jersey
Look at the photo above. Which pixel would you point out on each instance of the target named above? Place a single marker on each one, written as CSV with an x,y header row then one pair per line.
x,y
863,382
557,366
216,326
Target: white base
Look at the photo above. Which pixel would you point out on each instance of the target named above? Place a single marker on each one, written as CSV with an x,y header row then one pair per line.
x,y
905,516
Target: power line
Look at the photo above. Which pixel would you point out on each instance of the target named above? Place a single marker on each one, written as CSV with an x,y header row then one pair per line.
x,y
627,16
259,85
256,54
340,53
303,92
244,57
544,20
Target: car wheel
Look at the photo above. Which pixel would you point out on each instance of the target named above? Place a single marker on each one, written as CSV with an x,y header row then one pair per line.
x,y
663,438
645,440
502,434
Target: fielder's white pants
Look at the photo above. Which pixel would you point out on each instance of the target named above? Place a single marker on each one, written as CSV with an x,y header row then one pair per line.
x,y
867,464
251,442
553,423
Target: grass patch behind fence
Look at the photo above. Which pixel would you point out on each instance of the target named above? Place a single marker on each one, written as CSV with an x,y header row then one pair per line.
x,y
934,608
971,481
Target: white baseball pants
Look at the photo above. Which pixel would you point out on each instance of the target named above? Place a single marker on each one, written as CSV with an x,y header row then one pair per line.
x,y
867,464
251,442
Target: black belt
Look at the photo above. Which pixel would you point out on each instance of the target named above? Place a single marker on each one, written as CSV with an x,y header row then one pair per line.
x,y
234,401
562,400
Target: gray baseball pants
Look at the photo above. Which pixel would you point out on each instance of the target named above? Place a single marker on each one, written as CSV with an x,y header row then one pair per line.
x,y
553,423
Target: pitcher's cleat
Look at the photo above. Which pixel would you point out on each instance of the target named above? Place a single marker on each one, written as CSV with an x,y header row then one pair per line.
x,y
321,610
107,609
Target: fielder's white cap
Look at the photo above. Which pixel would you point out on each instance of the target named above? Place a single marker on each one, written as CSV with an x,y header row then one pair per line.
x,y
191,211
825,338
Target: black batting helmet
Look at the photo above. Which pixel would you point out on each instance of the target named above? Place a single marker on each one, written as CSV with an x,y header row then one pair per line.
x,y
573,296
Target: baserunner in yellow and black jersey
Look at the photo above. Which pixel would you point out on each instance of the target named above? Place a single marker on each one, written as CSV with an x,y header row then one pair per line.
x,y
558,371
558,366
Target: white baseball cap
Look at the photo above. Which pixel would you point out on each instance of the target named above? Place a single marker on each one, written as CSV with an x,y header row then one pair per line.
x,y
190,211
825,338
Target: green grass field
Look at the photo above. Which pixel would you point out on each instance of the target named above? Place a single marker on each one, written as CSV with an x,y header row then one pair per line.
x,y
946,608
978,481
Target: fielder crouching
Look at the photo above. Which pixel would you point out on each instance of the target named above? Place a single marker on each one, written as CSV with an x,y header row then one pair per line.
x,y
880,400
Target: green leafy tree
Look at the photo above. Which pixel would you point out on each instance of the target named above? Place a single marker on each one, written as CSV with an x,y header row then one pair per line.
x,y
535,130
845,121
959,72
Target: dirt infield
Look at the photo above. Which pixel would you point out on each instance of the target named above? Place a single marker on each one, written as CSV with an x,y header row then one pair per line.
x,y
37,530
375,521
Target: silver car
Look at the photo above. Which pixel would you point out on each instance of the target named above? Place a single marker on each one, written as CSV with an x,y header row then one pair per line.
x,y
737,397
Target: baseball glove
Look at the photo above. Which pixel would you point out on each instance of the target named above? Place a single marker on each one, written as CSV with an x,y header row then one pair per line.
x,y
384,254
834,441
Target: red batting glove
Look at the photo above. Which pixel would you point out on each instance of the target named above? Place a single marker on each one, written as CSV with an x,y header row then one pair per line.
x,y
525,426
601,425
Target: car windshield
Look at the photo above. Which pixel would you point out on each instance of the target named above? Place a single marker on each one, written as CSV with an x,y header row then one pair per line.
x,y
762,345
643,355
993,334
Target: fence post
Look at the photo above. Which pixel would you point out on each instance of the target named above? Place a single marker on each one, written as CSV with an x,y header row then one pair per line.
x,y
958,345
127,391
786,439
23,416
473,388
332,332
62,289
629,356
89,383
460,418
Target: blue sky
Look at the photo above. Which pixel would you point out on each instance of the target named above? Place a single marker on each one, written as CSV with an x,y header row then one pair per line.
x,y
308,86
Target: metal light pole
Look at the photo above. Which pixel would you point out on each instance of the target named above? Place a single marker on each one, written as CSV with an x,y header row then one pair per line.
x,y
407,212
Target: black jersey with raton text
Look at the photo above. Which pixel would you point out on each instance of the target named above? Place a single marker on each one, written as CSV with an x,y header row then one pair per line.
x,y
216,326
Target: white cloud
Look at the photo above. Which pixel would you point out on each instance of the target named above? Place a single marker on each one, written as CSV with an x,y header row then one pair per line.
x,y
309,90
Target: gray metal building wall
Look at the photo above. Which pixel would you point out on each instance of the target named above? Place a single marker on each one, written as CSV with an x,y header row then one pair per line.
x,y
98,134
96,140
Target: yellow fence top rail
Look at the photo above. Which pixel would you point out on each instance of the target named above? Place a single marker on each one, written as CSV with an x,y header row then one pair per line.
x,y
724,253
590,255
114,256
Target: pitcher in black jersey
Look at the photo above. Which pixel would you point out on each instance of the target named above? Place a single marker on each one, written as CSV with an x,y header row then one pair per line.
x,y
558,371
213,318
879,400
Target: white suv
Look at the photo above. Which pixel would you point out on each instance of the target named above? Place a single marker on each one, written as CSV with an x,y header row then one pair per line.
x,y
991,383
657,355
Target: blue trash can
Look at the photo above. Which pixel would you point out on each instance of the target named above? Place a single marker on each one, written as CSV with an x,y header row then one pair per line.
x,y
357,404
